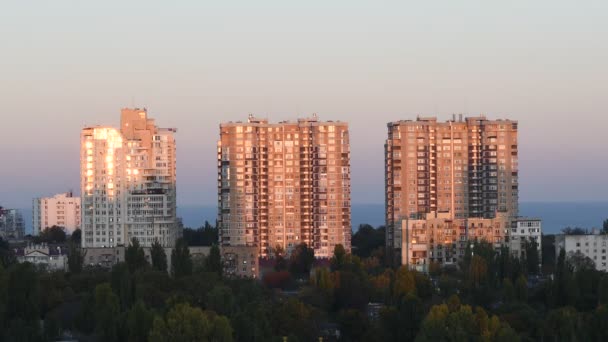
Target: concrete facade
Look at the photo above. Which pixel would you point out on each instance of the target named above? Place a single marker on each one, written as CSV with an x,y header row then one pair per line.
x,y
465,168
594,246
107,257
524,230
47,257
284,184
240,261
62,210
440,239
128,183
12,226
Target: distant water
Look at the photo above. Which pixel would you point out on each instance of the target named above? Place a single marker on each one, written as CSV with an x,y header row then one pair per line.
x,y
555,215
558,215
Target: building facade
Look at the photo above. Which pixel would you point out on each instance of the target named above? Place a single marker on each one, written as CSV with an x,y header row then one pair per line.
x,y
524,230
128,183
594,246
240,261
62,210
283,184
466,168
12,226
45,256
105,257
438,238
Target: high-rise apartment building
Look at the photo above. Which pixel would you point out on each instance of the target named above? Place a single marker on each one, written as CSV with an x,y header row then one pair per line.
x,y
62,210
128,183
12,226
284,184
466,168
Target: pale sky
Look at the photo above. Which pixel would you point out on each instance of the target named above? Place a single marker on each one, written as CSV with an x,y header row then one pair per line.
x,y
67,64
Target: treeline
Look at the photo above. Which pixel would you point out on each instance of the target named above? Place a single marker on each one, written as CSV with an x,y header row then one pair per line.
x,y
490,296
207,235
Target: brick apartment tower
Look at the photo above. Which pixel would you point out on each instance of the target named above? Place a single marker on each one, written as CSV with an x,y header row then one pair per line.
x,y
467,168
128,183
283,184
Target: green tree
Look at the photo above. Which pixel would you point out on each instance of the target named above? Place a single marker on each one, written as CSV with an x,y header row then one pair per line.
x,y
353,325
603,290
521,289
7,254
433,326
253,330
181,261
508,291
562,324
453,303
23,293
221,300
301,260
122,285
605,226
405,283
402,322
51,327
54,234
185,323
532,259
350,290
597,324
478,271
338,261
279,258
322,279
106,312
3,295
139,322
158,256
76,237
75,258
294,317
424,287
135,256
579,262
367,239
213,262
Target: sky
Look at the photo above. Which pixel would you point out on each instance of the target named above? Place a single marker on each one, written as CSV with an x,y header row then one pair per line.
x,y
194,64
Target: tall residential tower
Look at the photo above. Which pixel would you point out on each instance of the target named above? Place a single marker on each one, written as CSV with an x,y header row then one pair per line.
x,y
465,168
284,184
128,183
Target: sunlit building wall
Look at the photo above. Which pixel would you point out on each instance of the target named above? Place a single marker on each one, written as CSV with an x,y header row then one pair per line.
x,y
62,210
439,238
466,168
128,183
283,184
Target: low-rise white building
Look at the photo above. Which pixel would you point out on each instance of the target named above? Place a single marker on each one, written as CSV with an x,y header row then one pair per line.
x,y
49,257
524,230
594,246
62,210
